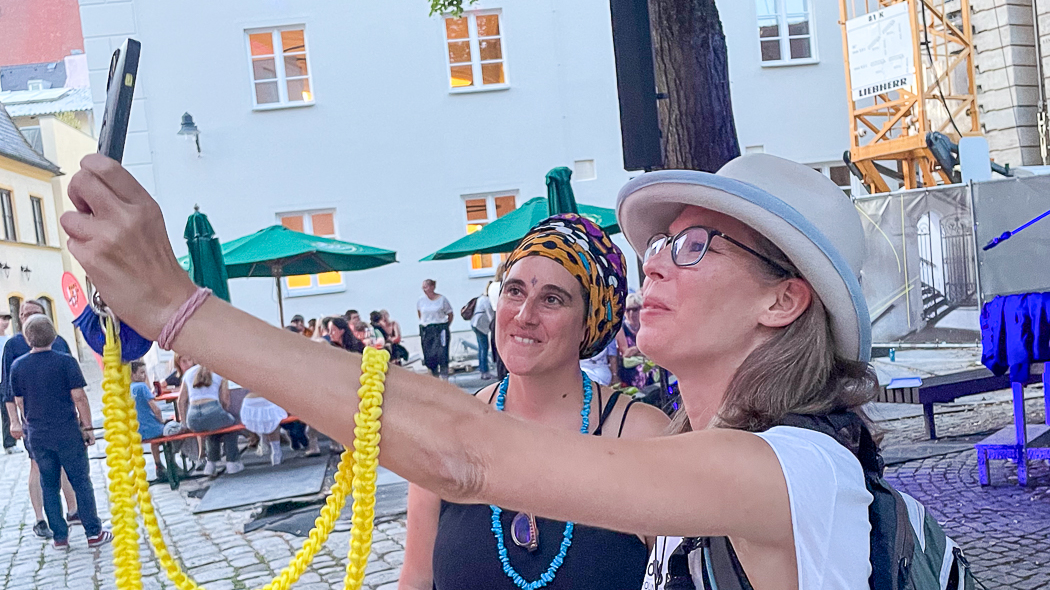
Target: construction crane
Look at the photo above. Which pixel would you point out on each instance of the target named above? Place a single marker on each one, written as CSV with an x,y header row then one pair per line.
x,y
912,96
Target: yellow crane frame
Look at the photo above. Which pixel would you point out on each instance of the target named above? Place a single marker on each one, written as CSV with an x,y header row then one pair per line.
x,y
892,126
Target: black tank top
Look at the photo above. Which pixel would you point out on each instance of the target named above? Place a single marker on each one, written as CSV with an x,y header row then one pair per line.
x,y
465,556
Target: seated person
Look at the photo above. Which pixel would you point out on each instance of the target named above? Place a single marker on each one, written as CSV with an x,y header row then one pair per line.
x,y
205,403
151,423
263,418
181,364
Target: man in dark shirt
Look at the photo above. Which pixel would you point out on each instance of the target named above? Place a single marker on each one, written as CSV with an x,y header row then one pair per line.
x,y
15,348
49,391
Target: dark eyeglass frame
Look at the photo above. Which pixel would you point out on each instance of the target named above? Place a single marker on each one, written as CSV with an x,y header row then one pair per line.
x,y
711,234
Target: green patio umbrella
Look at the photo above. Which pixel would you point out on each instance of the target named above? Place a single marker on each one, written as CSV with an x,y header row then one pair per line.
x,y
277,251
205,263
560,198
504,234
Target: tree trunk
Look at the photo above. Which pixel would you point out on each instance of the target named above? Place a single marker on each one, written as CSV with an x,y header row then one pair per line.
x,y
692,70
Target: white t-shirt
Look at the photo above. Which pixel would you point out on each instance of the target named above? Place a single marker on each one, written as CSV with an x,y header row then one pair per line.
x,y
493,293
201,393
483,315
597,367
829,513
433,311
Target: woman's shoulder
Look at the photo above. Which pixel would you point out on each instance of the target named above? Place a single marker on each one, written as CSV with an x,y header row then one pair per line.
x,y
487,393
812,460
789,442
641,420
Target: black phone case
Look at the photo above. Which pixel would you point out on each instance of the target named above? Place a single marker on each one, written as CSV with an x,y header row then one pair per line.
x,y
120,89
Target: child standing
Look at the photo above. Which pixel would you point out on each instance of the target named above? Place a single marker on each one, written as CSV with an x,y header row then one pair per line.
x,y
151,424
49,392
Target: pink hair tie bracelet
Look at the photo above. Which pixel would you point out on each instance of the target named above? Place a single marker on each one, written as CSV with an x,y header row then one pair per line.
x,y
177,321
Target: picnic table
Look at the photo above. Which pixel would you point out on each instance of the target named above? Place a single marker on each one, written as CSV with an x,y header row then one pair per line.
x,y
166,393
174,473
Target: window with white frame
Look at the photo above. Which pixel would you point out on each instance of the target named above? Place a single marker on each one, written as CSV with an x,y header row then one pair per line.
x,y
839,174
482,210
785,31
474,44
279,67
38,220
7,211
316,223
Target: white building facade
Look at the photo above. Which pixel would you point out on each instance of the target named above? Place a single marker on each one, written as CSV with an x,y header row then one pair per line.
x,y
381,125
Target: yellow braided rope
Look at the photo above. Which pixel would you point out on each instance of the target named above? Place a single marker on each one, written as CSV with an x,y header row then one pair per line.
x,y
127,480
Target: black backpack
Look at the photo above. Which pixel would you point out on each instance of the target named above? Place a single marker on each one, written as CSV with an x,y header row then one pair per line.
x,y
909,550
467,311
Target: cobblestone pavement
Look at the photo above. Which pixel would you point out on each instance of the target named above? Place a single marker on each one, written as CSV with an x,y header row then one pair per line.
x,y
1004,529
211,546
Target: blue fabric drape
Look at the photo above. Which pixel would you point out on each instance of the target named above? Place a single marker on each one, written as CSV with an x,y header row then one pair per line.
x,y
133,346
1015,332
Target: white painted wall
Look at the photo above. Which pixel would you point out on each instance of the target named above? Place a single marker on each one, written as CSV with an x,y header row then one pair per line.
x,y
797,112
388,146
43,261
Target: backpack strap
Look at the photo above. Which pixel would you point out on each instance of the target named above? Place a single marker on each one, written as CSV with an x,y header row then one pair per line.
x,y
720,568
848,430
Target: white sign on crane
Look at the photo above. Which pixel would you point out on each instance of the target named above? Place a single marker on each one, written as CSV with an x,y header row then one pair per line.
x,y
881,57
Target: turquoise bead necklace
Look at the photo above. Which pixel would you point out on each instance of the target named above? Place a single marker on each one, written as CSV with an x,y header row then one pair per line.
x,y
566,541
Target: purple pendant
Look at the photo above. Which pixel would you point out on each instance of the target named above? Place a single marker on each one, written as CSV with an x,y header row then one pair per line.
x,y
524,531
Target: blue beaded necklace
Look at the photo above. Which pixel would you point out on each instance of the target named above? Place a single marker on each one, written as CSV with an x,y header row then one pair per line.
x,y
566,541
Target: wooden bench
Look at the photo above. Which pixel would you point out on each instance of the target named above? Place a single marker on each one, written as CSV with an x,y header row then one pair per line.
x,y
947,388
172,469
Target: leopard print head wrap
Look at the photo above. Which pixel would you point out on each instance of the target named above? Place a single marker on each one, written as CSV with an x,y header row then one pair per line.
x,y
587,252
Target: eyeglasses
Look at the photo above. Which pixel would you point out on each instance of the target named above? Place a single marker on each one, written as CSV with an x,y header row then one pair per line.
x,y
689,246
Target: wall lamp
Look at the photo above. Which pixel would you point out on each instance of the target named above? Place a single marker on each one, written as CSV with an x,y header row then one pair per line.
x,y
4,268
26,272
190,131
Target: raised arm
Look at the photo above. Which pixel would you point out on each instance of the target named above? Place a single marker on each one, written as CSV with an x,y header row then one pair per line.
x,y
701,483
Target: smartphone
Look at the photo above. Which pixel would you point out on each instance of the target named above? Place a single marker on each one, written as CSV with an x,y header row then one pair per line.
x,y
120,89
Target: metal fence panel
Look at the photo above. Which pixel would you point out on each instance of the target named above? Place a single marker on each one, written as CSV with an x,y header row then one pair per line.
x,y
920,273
1020,264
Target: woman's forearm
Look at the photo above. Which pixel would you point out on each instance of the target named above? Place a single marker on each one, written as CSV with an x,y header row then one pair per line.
x,y
443,440
317,383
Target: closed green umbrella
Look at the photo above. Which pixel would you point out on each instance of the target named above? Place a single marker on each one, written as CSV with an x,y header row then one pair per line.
x,y
504,234
560,198
277,251
205,263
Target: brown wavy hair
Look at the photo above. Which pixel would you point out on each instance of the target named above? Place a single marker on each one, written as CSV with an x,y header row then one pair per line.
x,y
203,378
794,372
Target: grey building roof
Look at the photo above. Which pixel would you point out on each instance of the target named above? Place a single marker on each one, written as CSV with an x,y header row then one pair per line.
x,y
18,77
14,145
34,103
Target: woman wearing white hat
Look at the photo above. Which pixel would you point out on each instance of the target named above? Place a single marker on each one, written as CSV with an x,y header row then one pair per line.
x,y
752,300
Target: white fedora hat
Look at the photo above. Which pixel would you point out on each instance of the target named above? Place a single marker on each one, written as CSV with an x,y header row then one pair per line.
x,y
794,206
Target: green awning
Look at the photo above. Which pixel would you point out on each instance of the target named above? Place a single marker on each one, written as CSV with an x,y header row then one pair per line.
x,y
504,234
279,251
